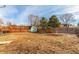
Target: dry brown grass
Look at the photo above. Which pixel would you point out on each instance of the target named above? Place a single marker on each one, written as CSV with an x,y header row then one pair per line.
x,y
41,43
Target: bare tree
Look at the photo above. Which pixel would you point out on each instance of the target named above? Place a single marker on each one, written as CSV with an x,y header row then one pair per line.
x,y
30,17
9,23
34,20
78,24
1,21
2,6
37,21
67,19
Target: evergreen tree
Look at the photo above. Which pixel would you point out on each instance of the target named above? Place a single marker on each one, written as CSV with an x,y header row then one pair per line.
x,y
43,23
53,22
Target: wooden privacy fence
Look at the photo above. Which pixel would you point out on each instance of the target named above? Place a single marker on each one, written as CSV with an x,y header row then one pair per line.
x,y
14,29
74,30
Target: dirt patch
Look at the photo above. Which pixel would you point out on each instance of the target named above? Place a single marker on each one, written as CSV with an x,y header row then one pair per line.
x,y
42,43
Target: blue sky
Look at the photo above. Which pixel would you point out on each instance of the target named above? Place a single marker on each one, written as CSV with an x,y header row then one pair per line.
x,y
18,14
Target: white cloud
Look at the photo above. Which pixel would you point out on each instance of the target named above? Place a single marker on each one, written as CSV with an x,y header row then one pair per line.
x,y
8,10
76,17
47,10
72,9
24,15
36,10
5,20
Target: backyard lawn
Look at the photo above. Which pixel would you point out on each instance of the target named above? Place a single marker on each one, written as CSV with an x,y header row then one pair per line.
x,y
24,42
